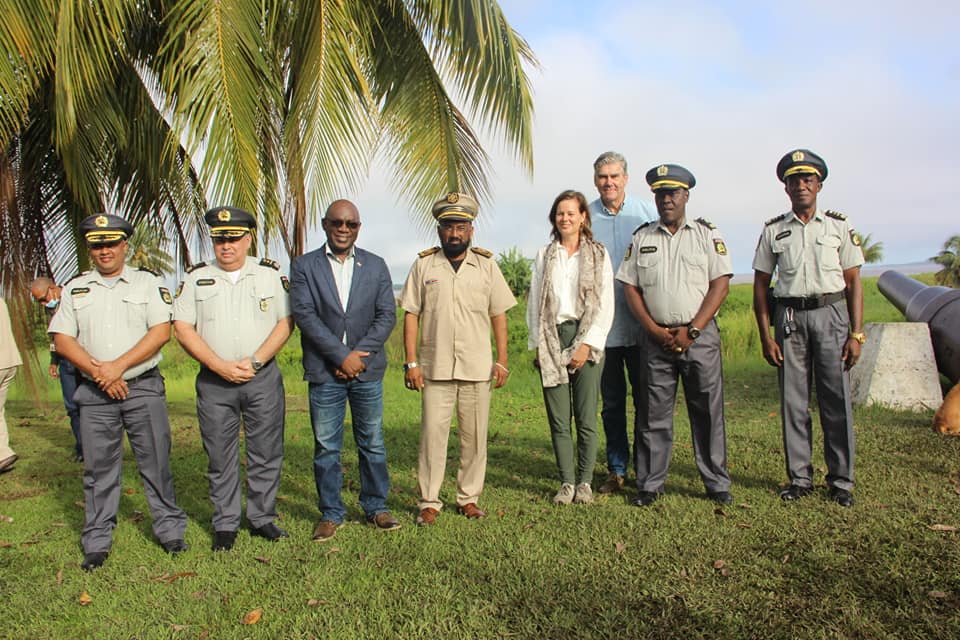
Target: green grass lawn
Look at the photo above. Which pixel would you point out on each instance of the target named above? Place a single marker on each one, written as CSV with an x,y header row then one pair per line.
x,y
680,569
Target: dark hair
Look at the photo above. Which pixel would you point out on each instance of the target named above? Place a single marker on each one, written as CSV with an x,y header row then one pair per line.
x,y
570,194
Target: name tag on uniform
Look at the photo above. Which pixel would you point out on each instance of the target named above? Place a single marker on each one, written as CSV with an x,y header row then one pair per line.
x,y
205,282
79,292
648,249
782,235
431,281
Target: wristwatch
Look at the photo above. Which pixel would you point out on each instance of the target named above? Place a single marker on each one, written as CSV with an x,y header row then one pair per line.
x,y
410,365
256,364
693,332
859,337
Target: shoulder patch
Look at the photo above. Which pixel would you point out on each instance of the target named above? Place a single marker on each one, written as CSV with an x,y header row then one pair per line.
x,y
179,290
777,219
193,268
285,282
644,225
836,215
267,262
428,252
150,271
481,252
720,247
855,238
706,223
165,295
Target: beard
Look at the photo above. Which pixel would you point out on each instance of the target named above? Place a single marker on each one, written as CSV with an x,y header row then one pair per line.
x,y
454,249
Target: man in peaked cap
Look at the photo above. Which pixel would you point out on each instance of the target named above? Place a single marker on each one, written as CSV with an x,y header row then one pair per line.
x,y
233,316
614,217
817,320
452,296
111,323
676,275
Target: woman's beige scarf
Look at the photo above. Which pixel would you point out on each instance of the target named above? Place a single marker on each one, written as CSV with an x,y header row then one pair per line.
x,y
553,359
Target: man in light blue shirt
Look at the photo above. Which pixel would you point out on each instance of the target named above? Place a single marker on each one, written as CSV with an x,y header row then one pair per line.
x,y
614,218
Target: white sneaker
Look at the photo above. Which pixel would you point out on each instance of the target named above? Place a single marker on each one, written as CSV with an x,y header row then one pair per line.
x,y
584,493
565,495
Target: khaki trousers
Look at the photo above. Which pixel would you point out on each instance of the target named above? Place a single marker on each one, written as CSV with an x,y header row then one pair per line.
x,y
6,377
472,402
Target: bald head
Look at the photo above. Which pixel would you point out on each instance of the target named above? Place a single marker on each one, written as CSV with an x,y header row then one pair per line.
x,y
39,288
341,223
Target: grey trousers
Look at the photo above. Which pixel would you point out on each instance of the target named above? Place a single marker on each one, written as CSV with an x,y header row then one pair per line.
x,y
814,349
700,368
143,414
260,405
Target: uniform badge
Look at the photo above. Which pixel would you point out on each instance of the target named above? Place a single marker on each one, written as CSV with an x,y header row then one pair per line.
x,y
719,246
264,303
629,252
431,281
165,295
782,235
854,238
223,215
285,282
205,282
648,249
101,221
452,198
179,290
79,292
797,156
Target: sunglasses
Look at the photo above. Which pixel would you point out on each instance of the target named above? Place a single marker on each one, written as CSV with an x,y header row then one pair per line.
x,y
336,224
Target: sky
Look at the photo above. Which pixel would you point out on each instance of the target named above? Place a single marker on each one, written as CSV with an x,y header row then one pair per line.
x,y
725,89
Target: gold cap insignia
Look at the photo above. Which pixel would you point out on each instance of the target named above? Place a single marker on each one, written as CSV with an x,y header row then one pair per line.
x,y
797,156
101,221
223,215
662,170
452,198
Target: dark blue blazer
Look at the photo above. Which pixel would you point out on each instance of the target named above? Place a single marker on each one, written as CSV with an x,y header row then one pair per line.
x,y
368,319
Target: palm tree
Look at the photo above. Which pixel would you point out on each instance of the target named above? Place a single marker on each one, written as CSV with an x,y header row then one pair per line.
x,y
949,261
872,251
154,109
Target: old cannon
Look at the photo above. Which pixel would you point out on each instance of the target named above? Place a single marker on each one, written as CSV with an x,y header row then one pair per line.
x,y
939,307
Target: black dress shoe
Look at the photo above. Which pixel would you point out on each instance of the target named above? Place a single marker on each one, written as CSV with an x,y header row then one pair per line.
x,y
841,496
223,540
795,492
270,531
173,547
646,498
93,560
720,497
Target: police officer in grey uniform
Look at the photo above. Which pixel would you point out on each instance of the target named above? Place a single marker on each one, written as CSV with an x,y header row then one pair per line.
x,y
817,320
233,316
111,324
676,275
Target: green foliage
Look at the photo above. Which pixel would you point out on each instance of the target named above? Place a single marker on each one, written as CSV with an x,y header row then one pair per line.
x,y
148,249
949,261
516,270
872,251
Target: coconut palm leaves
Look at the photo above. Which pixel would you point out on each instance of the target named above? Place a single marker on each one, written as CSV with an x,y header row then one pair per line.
x,y
949,261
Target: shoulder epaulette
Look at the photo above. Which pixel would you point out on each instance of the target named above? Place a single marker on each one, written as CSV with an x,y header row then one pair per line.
x,y
836,215
706,223
75,276
481,252
267,262
193,268
777,219
428,252
150,271
644,225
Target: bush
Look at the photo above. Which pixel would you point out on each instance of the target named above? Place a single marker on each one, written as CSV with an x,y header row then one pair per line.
x,y
516,270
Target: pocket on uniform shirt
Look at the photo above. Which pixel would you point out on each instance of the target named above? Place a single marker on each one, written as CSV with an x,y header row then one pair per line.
x,y
135,305
789,255
828,253
696,265
648,269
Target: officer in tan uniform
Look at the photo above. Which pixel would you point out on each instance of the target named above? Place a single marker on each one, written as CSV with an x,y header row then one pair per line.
x,y
111,323
817,320
676,275
453,295
233,316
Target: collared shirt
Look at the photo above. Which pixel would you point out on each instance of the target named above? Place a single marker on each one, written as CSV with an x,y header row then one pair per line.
x,y
809,258
233,319
454,309
566,288
673,270
109,319
342,273
614,231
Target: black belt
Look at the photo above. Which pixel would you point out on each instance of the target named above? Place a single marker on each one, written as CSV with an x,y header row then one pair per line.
x,y
149,373
810,302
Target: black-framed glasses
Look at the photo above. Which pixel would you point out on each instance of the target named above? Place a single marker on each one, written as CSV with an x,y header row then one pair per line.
x,y
336,224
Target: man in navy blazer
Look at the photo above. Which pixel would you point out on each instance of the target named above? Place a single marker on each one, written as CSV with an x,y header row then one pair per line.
x,y
342,300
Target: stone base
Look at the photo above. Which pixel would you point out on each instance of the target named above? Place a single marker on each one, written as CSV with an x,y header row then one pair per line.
x,y
897,368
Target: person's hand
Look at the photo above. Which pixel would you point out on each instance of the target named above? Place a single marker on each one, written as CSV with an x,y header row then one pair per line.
x,y
236,372
353,365
851,352
772,353
499,373
665,337
413,379
107,373
680,340
54,371
340,375
118,390
578,359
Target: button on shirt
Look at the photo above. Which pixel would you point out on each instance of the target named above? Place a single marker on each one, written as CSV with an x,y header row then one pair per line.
x,y
673,271
455,308
615,231
566,288
809,258
343,276
233,319
109,317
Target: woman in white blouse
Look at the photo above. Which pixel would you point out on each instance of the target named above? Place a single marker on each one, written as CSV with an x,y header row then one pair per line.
x,y
569,312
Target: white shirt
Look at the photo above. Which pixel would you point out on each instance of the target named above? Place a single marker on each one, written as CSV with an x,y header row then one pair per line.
x,y
343,276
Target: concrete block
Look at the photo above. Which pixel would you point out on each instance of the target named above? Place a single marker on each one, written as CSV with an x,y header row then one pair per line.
x,y
897,368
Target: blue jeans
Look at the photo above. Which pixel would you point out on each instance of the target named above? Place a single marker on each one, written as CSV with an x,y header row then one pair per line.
x,y
328,407
613,391
68,386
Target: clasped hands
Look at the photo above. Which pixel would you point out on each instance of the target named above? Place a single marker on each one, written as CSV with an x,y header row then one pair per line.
x,y
673,340
109,377
352,366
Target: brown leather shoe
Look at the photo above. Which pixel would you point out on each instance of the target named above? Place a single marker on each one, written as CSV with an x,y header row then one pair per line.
x,y
472,511
427,516
384,521
7,462
614,484
325,530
